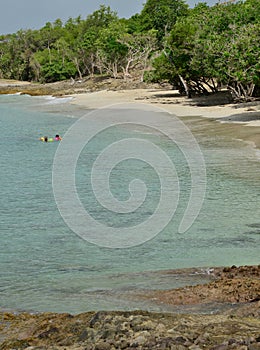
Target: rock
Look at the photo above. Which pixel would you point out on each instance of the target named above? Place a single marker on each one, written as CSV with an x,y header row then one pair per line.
x,y
231,285
255,346
148,325
61,88
220,347
202,339
180,340
140,340
160,328
194,347
102,346
83,336
123,344
232,329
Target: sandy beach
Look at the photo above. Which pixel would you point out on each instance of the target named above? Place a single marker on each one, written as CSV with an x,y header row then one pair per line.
x,y
166,99
93,94
242,121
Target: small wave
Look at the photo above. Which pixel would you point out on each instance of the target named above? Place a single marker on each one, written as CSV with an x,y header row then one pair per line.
x,y
257,153
15,94
57,100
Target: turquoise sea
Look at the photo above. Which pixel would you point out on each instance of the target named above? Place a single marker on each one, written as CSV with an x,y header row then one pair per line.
x,y
45,266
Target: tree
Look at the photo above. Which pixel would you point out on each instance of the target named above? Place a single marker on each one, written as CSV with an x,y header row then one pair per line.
x,y
161,15
111,53
213,46
196,50
238,63
100,18
227,47
139,47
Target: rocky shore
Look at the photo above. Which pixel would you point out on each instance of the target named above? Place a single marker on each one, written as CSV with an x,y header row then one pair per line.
x,y
235,285
237,328
233,291
70,87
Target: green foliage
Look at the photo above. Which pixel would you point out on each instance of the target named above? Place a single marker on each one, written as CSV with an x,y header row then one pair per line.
x,y
53,66
239,67
196,50
110,51
134,24
162,15
57,70
163,70
101,18
215,46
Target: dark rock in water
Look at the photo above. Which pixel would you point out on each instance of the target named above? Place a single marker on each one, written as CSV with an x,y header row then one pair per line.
x,y
252,233
232,285
256,225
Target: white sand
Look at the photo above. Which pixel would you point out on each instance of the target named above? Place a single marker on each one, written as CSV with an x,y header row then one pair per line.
x,y
179,106
176,105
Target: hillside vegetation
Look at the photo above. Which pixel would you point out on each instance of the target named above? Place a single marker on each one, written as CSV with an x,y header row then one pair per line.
x,y
197,51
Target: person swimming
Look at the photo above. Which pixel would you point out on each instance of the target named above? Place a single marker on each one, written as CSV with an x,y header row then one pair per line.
x,y
51,139
57,137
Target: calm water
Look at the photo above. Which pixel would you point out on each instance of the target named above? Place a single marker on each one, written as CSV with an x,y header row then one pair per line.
x,y
46,266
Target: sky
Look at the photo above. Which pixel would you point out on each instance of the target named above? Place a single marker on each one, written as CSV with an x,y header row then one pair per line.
x,y
34,14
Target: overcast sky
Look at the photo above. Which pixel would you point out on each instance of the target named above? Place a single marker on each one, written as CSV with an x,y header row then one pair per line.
x,y
33,14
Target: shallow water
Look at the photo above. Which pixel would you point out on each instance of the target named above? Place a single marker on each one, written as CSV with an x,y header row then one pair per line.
x,y
46,266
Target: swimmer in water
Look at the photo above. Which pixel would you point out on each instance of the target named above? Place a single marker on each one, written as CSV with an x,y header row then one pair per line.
x,y
57,137
50,139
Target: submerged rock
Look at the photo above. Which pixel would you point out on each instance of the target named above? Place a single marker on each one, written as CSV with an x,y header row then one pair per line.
x,y
237,328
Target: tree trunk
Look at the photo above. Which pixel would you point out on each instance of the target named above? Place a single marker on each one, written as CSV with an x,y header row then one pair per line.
x,y
77,67
186,88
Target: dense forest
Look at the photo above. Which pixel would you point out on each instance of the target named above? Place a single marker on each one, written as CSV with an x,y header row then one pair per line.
x,y
197,50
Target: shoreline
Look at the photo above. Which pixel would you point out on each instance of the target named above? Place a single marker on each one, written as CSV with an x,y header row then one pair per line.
x,y
169,100
237,327
99,92
244,120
